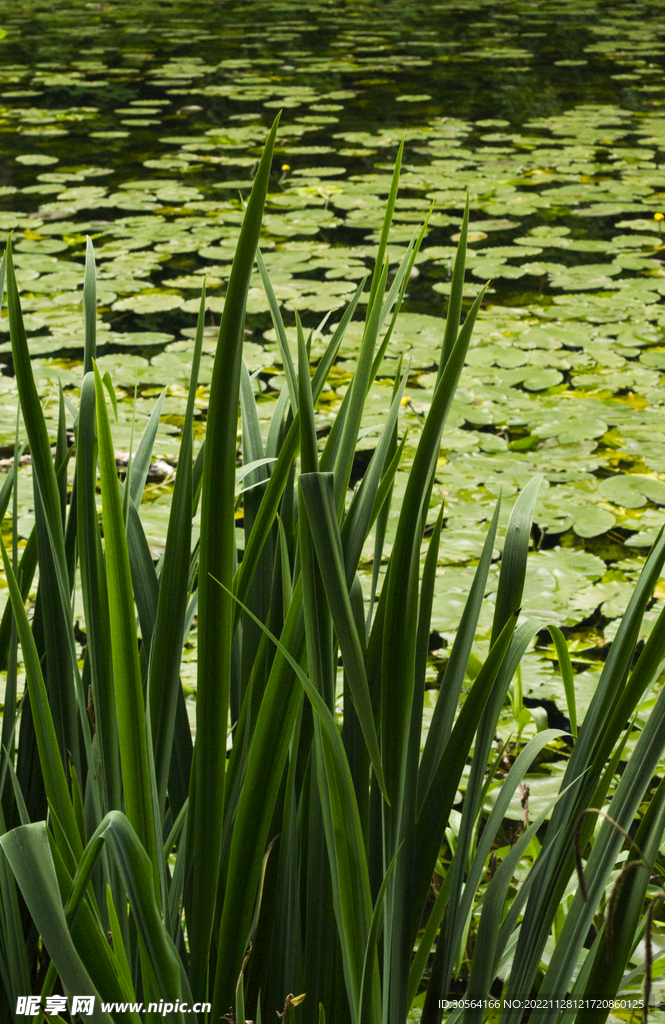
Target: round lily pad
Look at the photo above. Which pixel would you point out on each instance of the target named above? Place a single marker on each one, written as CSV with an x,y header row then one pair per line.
x,y
140,339
542,378
41,245
41,159
632,490
149,302
592,521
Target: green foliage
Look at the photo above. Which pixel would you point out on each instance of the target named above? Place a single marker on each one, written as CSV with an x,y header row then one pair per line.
x,y
282,863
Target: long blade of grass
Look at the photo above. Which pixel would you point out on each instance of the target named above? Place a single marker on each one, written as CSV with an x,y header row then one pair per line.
x,y
321,946
641,678
279,421
95,597
89,307
375,287
24,576
141,461
383,495
451,687
166,646
400,624
49,530
52,768
348,868
567,677
10,487
132,735
309,459
361,514
29,854
365,1009
144,580
252,443
433,816
318,494
405,889
136,872
398,619
256,802
356,402
513,559
427,588
384,502
258,597
40,448
456,291
321,941
15,969
55,616
347,848
86,928
48,501
280,330
401,281
285,962
119,951
216,611
268,509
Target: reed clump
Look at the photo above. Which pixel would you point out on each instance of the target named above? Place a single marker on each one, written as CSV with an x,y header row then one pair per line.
x,y
284,862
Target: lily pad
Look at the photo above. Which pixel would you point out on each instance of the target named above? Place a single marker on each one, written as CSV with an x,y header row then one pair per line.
x,y
592,521
41,245
633,491
40,159
149,302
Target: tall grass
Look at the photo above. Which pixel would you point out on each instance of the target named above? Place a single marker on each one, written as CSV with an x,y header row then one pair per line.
x,y
282,863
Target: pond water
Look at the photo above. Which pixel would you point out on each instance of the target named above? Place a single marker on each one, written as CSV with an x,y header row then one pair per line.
x,y
140,124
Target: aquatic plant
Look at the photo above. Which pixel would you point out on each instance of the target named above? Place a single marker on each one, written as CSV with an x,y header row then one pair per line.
x,y
304,856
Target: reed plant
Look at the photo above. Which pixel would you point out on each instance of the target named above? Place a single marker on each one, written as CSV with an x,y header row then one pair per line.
x,y
302,856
